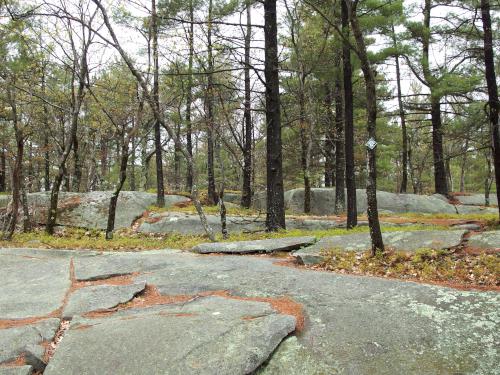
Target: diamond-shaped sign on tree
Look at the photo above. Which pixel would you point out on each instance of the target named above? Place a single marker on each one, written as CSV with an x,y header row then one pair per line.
x,y
371,144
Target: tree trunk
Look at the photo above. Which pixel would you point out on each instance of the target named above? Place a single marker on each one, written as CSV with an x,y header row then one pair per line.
x,y
350,178
16,171
3,170
371,109
114,198
440,184
339,150
160,187
212,194
189,97
494,104
27,227
462,166
54,194
158,117
304,143
440,180
77,177
402,117
45,136
133,186
329,139
275,215
246,196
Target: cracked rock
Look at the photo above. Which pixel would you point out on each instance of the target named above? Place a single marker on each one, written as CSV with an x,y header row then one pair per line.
x,y
27,340
258,246
211,335
100,297
485,240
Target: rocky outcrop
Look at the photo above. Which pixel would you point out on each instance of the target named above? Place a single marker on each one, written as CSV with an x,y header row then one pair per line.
x,y
485,240
398,241
90,210
323,203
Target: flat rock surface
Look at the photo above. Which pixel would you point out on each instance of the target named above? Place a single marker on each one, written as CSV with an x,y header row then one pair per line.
x,y
17,370
90,210
32,284
99,297
258,246
28,338
399,241
353,324
485,240
211,335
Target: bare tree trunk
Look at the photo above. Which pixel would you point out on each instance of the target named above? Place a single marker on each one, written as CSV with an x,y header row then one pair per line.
x,y
158,117
160,187
304,143
494,104
402,117
339,149
487,182
371,109
246,195
3,169
27,227
17,171
189,98
212,195
275,215
121,180
45,136
440,184
462,166
133,186
77,177
350,178
54,194
329,139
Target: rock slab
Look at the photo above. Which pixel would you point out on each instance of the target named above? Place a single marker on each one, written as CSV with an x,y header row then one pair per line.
x,y
90,210
17,370
399,241
257,246
211,335
100,297
485,240
27,340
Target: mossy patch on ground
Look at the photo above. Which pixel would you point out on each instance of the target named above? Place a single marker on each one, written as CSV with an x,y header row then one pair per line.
x,y
455,268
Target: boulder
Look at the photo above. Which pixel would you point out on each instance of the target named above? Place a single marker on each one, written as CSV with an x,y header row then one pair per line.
x,y
90,210
485,240
257,246
398,241
323,202
100,297
476,199
211,335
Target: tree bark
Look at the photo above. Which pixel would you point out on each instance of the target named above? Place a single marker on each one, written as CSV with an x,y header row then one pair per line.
x,y
16,171
189,97
371,109
160,187
402,117
339,149
212,194
440,183
494,104
275,215
77,176
304,143
329,139
114,198
3,170
350,178
45,136
54,194
246,196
